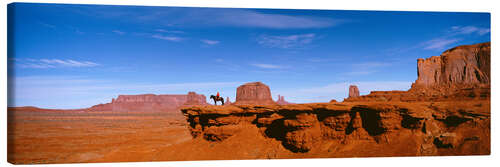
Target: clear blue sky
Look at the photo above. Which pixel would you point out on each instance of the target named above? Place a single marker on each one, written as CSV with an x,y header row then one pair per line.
x,y
75,56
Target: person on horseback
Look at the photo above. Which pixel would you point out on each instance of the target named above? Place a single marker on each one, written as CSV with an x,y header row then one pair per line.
x,y
217,98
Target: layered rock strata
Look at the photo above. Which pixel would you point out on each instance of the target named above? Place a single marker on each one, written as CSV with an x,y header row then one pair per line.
x,y
254,93
460,73
411,128
353,91
467,65
150,102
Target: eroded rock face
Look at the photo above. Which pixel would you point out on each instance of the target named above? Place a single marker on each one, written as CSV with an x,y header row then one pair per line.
x,y
254,93
460,73
304,131
463,65
441,128
150,102
353,91
446,112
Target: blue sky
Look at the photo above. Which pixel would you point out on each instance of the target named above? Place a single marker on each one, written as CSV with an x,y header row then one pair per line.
x,y
75,56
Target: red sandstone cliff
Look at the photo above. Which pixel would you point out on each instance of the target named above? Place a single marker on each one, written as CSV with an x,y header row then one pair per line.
x,y
347,129
460,73
467,65
150,102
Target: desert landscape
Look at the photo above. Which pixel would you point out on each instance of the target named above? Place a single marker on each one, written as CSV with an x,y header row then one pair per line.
x,y
445,112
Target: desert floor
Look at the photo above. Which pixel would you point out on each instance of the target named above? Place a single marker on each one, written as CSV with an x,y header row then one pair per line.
x,y
77,136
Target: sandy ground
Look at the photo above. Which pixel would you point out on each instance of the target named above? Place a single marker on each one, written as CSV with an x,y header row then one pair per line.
x,y
72,136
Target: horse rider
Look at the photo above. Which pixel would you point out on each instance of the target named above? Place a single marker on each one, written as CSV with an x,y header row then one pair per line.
x,y
218,95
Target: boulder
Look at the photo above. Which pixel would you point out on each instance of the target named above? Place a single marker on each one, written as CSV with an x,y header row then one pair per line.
x,y
254,93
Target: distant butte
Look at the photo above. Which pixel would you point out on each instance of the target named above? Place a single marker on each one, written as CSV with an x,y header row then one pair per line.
x,y
281,100
254,93
353,91
151,102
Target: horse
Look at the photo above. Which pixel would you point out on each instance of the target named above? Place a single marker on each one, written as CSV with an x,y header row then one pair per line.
x,y
217,99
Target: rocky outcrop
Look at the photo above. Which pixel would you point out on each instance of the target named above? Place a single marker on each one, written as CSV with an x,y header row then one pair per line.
x,y
463,69
460,73
254,93
281,100
150,102
441,128
467,65
353,91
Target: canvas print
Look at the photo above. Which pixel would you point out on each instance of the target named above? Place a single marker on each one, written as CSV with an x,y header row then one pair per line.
x,y
104,83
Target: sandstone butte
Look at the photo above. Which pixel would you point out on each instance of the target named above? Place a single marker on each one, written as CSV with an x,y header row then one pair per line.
x,y
353,91
150,102
254,93
281,100
446,112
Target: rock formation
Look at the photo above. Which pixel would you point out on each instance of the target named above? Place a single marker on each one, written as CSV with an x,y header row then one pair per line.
x,y
446,112
195,99
254,93
363,128
150,102
467,65
228,101
281,100
464,69
460,73
353,91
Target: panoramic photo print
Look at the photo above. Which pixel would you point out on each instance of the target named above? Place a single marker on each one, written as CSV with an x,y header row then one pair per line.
x,y
106,83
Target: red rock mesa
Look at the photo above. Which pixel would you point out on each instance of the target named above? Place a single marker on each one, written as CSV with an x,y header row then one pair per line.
x,y
253,93
467,65
150,102
460,73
